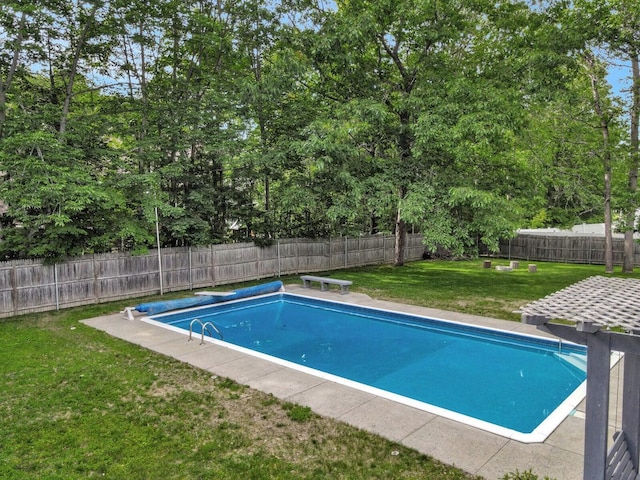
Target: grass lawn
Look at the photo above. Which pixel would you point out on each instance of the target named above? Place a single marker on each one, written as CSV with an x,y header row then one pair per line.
x,y
466,286
76,403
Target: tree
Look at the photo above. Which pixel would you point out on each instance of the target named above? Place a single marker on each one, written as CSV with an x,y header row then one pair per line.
x,y
442,86
295,118
58,157
15,24
605,118
619,24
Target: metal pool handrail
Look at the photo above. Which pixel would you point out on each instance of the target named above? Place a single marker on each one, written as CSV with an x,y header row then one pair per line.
x,y
203,327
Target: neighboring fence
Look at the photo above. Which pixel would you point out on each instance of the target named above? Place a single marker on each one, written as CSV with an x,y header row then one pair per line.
x,y
569,248
30,286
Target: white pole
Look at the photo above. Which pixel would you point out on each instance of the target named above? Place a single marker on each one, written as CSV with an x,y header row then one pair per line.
x,y
159,253
55,280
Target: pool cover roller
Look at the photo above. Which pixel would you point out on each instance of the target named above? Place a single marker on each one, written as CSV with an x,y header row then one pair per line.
x,y
152,308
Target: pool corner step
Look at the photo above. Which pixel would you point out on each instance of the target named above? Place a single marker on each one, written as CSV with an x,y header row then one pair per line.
x,y
575,359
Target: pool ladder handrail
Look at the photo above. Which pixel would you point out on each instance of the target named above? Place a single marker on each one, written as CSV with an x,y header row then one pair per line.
x,y
203,328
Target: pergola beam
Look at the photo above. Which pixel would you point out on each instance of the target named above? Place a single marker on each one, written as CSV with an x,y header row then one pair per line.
x,y
619,342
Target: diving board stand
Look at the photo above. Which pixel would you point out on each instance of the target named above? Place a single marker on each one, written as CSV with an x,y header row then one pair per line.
x,y
325,282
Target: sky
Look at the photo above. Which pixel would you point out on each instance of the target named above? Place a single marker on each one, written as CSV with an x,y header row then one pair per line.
x,y
619,76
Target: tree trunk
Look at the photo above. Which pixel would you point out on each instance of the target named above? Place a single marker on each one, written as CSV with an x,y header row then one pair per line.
x,y
608,235
5,85
629,244
606,162
73,70
405,140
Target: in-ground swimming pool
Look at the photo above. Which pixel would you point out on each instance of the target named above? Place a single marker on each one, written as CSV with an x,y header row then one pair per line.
x,y
518,386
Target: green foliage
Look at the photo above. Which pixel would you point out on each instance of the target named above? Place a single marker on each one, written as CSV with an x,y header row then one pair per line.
x,y
59,204
565,139
540,219
458,218
249,121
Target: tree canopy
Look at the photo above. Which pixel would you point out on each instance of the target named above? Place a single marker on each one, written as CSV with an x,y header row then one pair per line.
x,y
252,120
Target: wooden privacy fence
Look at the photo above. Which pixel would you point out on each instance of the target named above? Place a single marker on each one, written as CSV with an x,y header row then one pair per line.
x,y
569,248
30,286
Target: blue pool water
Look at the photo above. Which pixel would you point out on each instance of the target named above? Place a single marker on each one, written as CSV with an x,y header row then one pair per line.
x,y
504,379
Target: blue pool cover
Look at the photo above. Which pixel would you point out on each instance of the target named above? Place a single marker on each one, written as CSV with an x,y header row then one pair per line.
x,y
153,308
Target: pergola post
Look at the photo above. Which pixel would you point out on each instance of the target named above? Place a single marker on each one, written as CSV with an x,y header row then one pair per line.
x,y
631,405
597,411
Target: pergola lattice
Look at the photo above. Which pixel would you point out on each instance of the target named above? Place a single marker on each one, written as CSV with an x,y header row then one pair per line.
x,y
604,301
606,312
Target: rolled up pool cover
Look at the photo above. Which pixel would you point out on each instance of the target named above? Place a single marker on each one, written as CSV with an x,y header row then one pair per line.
x,y
152,308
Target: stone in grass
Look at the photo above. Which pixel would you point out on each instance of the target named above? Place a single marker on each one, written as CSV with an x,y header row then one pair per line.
x,y
503,268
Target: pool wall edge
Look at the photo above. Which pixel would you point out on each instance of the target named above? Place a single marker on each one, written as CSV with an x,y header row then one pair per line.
x,y
538,435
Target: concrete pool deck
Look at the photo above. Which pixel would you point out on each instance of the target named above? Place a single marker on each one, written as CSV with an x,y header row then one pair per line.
x,y
470,449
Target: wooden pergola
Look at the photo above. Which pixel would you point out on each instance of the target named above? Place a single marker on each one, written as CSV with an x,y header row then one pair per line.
x,y
605,316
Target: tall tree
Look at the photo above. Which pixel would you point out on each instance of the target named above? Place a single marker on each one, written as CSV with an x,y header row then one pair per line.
x,y
298,118
15,24
594,71
442,84
618,24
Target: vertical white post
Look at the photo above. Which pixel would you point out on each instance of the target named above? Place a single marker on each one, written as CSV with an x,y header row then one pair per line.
x,y
55,280
159,252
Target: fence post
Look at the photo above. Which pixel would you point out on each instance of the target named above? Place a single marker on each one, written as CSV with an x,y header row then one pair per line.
x,y
278,255
213,266
159,252
259,262
96,294
407,238
14,290
384,248
346,251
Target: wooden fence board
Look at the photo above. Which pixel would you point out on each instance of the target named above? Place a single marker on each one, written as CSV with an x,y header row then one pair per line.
x,y
32,286
576,248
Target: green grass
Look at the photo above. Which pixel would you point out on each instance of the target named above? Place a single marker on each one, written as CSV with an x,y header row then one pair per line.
x,y
466,286
76,403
